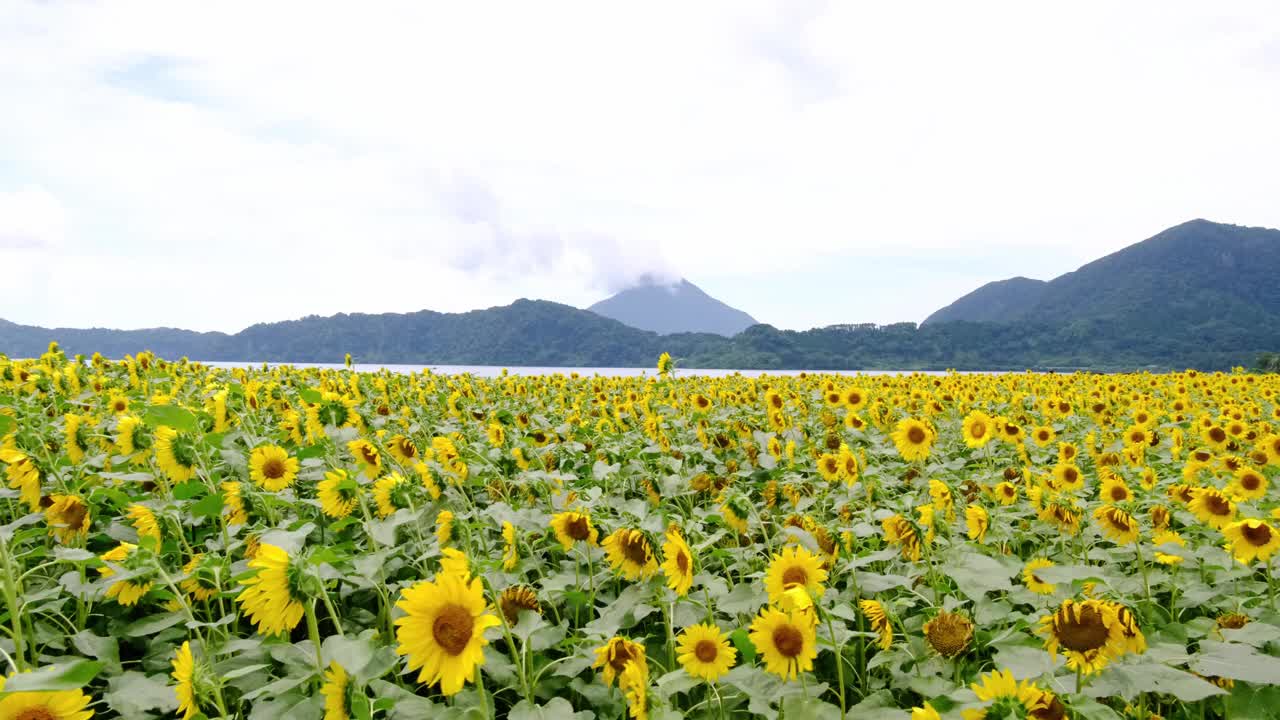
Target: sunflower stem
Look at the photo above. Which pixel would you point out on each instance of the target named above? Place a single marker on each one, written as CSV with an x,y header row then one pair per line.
x,y
839,662
334,617
1142,564
1271,586
11,600
313,630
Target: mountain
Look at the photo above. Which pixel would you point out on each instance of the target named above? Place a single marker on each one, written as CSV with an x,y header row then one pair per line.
x,y
1207,279
673,308
999,301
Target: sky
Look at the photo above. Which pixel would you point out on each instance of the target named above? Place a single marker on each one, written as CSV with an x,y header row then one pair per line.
x,y
212,165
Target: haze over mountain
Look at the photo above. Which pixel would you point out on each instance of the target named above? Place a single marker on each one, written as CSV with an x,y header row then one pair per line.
x,y
1199,275
1199,295
677,307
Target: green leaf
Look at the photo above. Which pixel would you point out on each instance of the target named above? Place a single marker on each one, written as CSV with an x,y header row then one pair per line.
x,y
210,506
311,451
188,490
746,648
1236,661
153,624
64,676
555,709
977,575
309,395
1133,680
1025,661
802,708
67,554
134,694
7,424
106,649
171,415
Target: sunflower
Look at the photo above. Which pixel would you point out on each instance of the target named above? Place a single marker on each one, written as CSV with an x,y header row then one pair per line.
x,y
233,498
338,494
1114,489
1032,581
949,634
829,466
442,631
444,527
175,454
786,641
67,517
1248,484
271,596
129,591
913,438
1006,493
1006,697
634,684
977,429
629,552
571,527
144,522
977,521
184,673
118,404
1252,540
335,690
77,437
34,705
1167,537
1066,476
795,566
1271,445
735,512
390,494
614,656
402,449
496,434
705,652
677,562
1043,435
1088,633
368,456
1116,524
901,532
455,562
201,581
925,712
875,612
517,598
1212,507
23,475
1067,452
271,468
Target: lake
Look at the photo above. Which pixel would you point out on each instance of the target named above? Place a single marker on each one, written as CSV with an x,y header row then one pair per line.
x,y
496,370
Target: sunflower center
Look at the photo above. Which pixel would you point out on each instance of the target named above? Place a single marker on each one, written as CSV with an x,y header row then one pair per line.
x,y
407,449
620,657
36,713
635,549
1083,633
706,651
789,640
978,430
273,468
452,629
1250,482
1054,711
1217,505
682,562
369,456
75,516
916,435
795,576
577,528
1258,536
1217,434
1118,493
1070,475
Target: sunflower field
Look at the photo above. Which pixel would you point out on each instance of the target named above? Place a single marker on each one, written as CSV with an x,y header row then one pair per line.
x,y
181,540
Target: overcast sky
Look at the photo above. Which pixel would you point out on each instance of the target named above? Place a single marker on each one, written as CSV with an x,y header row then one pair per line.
x,y
211,165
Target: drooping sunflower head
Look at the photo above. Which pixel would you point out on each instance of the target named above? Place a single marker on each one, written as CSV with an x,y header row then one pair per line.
x,y
274,596
949,634
391,493
879,620
614,656
704,652
1116,524
1088,633
67,517
339,494
677,562
202,573
517,598
175,453
630,553
1032,581
336,691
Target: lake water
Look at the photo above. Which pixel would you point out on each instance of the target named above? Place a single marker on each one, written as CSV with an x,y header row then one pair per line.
x,y
496,370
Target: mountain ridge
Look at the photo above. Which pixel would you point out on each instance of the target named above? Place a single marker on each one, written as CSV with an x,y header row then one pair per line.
x,y
668,308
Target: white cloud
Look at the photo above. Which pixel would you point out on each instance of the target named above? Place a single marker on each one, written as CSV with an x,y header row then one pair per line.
x,y
265,161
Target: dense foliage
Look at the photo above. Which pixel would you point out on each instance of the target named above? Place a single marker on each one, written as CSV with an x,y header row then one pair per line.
x,y
330,544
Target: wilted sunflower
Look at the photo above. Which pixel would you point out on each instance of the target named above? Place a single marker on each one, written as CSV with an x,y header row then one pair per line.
x,y
175,454
677,562
901,532
337,703
705,652
1232,621
1116,524
1212,508
1252,540
949,634
614,656
1088,633
879,622
634,684
271,596
67,517
184,674
442,631
572,527
913,439
271,468
1032,581
517,598
795,566
33,705
629,553
786,641
338,494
